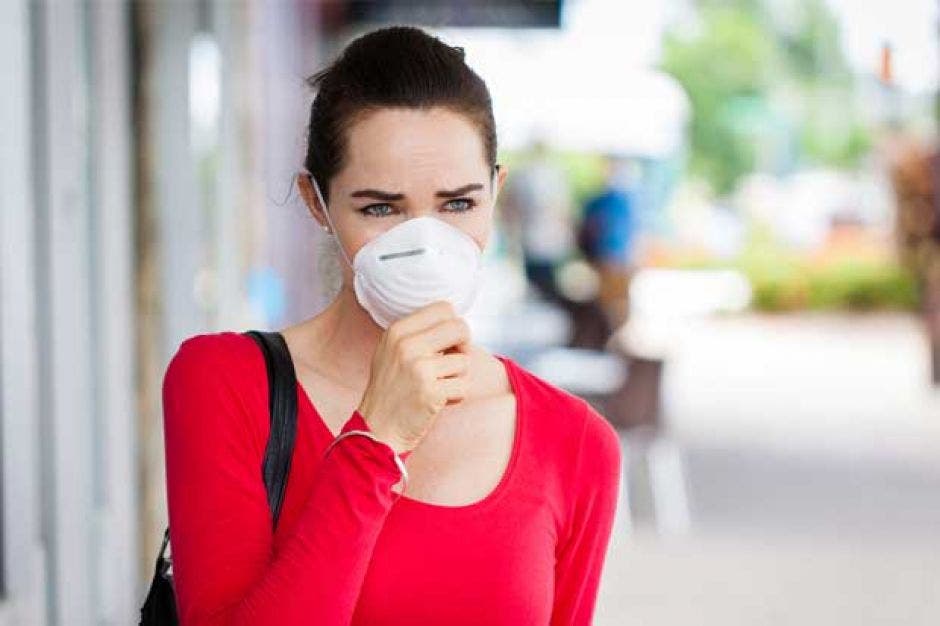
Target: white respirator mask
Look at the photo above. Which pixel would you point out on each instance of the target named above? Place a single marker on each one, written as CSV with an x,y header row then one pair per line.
x,y
416,262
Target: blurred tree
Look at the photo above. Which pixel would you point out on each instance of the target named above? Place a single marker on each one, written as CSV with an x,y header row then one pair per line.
x,y
722,59
809,37
757,73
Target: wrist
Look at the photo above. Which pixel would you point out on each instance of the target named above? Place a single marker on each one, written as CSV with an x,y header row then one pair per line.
x,y
400,446
396,443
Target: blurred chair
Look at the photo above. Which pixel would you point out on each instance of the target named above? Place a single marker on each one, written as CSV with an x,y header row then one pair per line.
x,y
595,375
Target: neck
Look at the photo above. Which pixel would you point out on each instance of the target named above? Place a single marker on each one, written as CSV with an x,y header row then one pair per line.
x,y
346,336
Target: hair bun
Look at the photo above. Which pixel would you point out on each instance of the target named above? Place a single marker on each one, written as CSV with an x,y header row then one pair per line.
x,y
393,66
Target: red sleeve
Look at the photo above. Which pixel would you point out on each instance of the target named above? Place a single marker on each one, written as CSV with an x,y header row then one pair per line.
x,y
581,553
224,570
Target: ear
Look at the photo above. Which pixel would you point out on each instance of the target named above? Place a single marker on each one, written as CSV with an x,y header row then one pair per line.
x,y
309,194
501,179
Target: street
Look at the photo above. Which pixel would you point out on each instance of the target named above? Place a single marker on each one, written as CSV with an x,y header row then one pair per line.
x,y
798,481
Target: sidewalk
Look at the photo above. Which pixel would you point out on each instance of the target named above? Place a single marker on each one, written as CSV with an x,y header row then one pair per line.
x,y
810,448
828,383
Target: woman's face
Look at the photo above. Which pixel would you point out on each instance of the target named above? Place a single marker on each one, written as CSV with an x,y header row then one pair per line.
x,y
403,163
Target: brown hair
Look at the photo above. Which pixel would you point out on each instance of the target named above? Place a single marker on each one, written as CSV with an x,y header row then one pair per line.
x,y
394,66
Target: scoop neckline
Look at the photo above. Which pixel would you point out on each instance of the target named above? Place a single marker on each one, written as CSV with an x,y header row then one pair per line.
x,y
501,486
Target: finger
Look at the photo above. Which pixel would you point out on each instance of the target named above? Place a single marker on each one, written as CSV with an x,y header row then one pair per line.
x,y
454,389
423,318
451,365
446,334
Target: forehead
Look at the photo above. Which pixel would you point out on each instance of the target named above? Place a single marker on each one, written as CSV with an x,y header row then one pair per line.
x,y
392,145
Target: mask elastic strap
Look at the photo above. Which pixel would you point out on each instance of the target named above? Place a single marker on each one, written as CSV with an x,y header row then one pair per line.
x,y
329,221
493,188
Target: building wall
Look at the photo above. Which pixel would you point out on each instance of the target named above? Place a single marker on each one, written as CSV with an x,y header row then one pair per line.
x,y
146,151
69,531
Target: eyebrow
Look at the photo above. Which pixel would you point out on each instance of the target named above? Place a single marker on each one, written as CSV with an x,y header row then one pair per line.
x,y
392,197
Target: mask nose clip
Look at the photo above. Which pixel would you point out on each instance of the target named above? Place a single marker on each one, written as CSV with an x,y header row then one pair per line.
x,y
397,255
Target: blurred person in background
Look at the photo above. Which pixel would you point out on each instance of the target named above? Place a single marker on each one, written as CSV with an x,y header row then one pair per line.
x,y
606,237
537,210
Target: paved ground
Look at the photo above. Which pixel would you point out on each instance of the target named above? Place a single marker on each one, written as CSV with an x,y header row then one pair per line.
x,y
799,482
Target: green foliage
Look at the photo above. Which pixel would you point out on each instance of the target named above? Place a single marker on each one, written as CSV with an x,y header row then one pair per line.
x,y
783,281
834,142
585,170
855,285
747,65
585,173
809,37
723,64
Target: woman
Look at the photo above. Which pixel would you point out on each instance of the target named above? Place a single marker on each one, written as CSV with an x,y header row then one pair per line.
x,y
511,483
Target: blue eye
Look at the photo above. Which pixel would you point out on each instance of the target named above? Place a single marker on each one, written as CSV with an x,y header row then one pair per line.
x,y
459,205
377,210
464,204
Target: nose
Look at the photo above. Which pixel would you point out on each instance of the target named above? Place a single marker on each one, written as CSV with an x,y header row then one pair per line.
x,y
424,209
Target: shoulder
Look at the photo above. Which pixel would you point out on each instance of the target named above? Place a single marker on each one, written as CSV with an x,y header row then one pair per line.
x,y
567,419
579,452
557,408
205,361
600,451
225,343
210,350
212,382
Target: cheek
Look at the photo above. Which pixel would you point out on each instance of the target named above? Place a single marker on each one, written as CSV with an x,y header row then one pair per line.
x,y
479,226
481,235
477,229
357,233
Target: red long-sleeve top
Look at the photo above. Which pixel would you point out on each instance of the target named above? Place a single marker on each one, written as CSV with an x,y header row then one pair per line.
x,y
350,550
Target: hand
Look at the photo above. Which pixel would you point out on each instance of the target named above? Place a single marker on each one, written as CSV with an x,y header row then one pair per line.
x,y
419,366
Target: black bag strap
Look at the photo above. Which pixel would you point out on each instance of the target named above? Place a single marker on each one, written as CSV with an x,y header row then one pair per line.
x,y
282,407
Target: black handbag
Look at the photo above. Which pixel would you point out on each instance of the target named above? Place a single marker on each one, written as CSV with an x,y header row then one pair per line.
x,y
159,608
